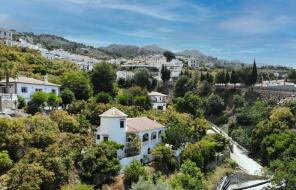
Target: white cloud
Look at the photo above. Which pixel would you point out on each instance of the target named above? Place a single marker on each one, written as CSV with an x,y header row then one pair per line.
x,y
254,25
139,8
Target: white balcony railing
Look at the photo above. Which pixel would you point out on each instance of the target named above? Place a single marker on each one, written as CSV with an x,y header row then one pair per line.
x,y
7,96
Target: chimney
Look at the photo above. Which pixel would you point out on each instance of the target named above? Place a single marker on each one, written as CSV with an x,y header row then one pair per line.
x,y
46,79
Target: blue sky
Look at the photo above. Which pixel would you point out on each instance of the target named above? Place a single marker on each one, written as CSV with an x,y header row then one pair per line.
x,y
229,29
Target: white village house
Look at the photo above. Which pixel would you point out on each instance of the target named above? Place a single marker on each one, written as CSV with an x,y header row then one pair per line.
x,y
116,126
25,87
158,100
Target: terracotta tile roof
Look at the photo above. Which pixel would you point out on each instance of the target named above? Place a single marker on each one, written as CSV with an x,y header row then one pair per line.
x,y
153,93
139,124
27,80
113,112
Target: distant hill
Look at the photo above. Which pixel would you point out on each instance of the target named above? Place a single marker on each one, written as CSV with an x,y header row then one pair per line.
x,y
114,50
55,42
210,59
193,53
154,48
127,51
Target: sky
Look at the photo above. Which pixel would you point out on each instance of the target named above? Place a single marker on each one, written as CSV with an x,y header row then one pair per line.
x,y
228,29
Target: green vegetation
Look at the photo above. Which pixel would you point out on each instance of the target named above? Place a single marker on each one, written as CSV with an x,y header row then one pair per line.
x,y
165,73
26,62
78,82
56,149
103,78
133,172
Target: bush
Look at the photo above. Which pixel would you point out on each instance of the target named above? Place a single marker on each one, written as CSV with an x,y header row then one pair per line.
x,y
103,97
142,102
78,187
222,120
53,100
133,172
238,101
123,99
66,122
214,105
32,108
5,162
164,158
21,102
39,98
143,184
189,177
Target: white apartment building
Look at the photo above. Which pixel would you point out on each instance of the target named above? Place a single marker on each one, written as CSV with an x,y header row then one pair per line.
x,y
116,126
193,63
158,100
25,87
5,36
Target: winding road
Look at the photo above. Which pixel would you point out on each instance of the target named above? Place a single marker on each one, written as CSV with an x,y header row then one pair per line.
x,y
240,155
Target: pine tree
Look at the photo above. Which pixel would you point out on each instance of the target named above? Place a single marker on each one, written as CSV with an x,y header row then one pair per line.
x,y
254,73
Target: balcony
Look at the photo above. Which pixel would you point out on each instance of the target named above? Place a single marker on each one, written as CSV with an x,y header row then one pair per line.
x,y
7,96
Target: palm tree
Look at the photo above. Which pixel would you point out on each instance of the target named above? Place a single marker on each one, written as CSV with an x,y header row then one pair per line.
x,y
8,69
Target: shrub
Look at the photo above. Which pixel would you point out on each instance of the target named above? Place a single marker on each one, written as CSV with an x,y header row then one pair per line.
x,y
214,105
39,97
238,101
21,102
164,158
66,122
133,171
103,97
78,187
5,162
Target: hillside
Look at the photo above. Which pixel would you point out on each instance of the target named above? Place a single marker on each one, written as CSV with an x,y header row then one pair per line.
x,y
55,42
31,64
114,50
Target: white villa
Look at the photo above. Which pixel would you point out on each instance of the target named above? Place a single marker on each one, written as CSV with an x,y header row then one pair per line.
x,y
158,100
25,87
117,127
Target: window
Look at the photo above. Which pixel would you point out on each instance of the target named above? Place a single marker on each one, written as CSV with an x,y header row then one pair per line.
x,y
38,89
145,137
98,137
121,123
3,90
105,138
53,91
153,136
148,150
24,89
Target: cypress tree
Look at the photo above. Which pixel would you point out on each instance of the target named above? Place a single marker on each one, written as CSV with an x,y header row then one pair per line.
x,y
226,78
233,78
202,77
254,73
